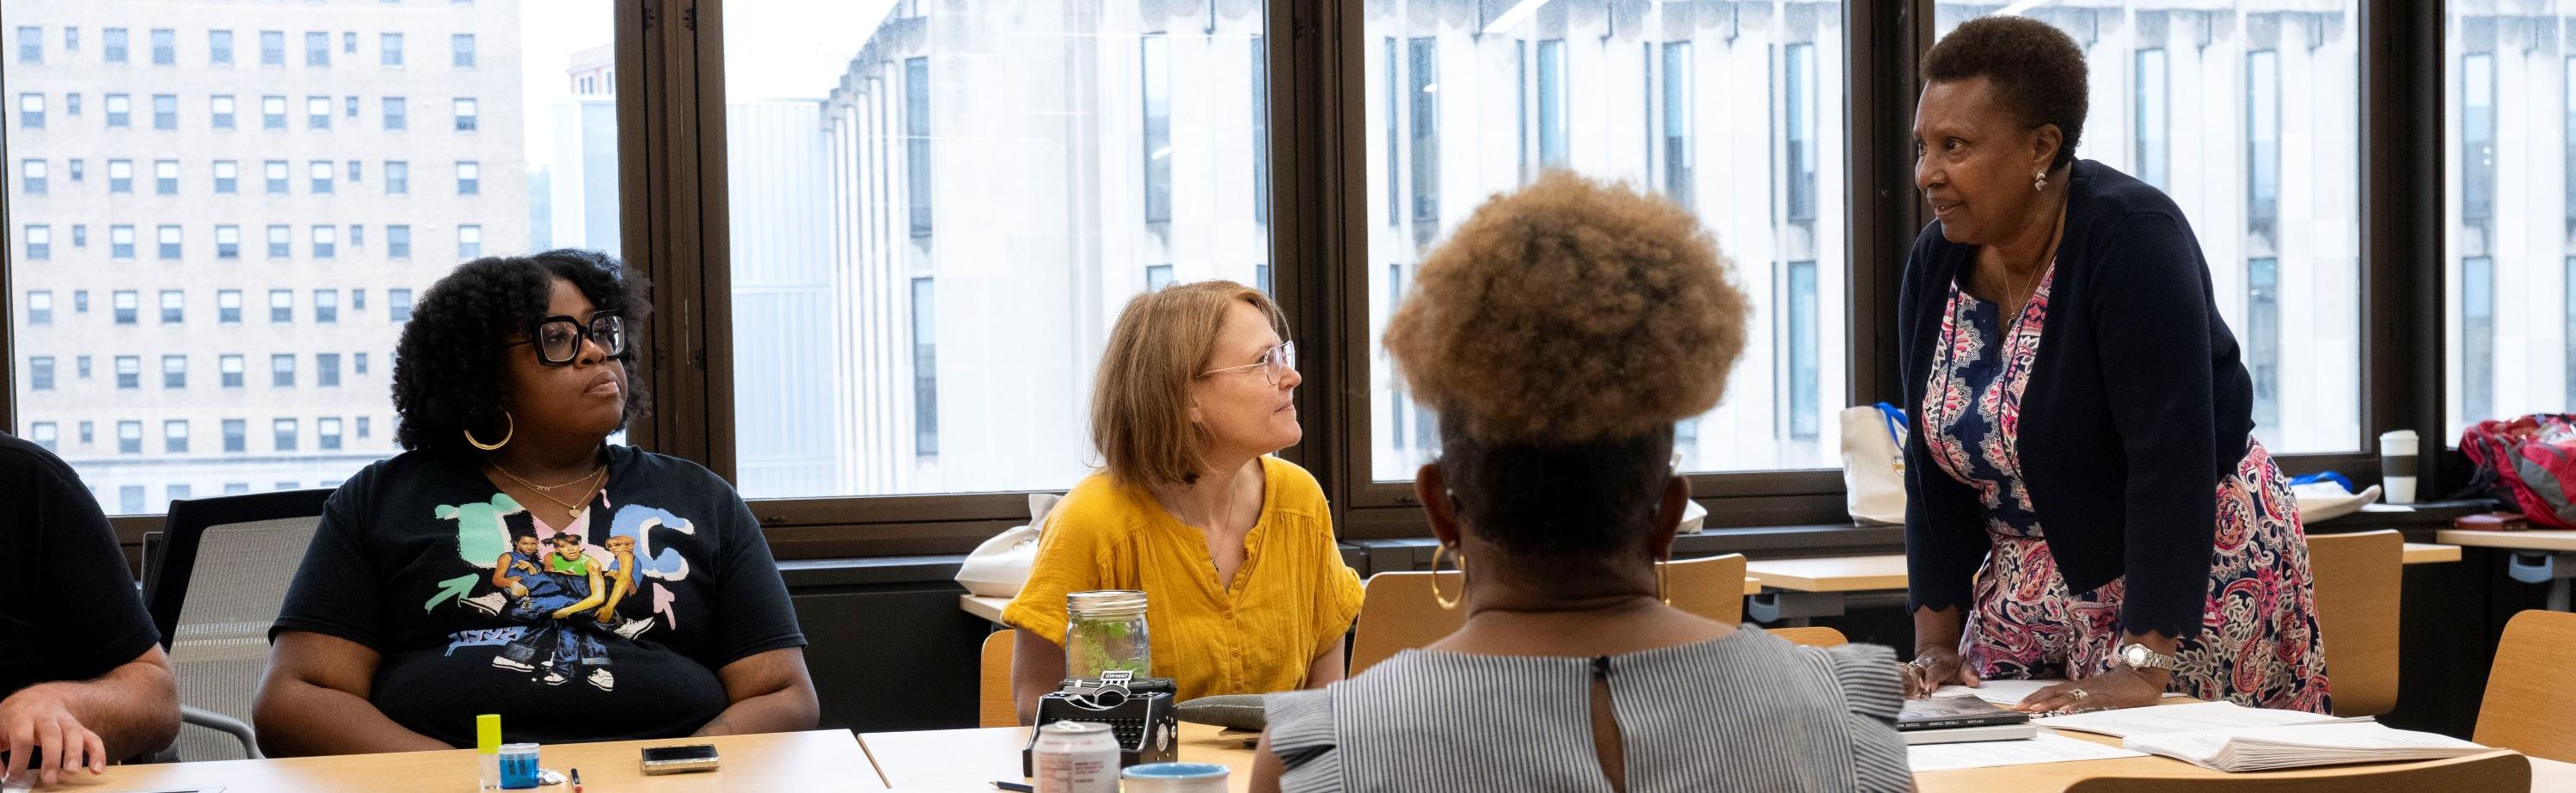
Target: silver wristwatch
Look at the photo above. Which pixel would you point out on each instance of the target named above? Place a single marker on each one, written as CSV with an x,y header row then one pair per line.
x,y
2137,656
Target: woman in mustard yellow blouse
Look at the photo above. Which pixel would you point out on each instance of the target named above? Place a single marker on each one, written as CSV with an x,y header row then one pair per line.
x,y
1246,590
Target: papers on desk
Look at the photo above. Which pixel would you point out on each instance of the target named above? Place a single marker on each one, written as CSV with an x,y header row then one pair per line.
x,y
2333,743
2007,693
2042,749
2129,722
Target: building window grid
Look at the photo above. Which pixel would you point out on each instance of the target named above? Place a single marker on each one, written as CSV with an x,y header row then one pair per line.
x,y
1154,64
916,143
1423,65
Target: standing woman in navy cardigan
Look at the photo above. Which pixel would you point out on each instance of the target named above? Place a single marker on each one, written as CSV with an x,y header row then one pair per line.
x,y
2085,497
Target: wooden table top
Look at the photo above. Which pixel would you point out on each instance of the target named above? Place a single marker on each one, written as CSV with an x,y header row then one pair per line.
x,y
1830,573
970,760
2431,553
2534,540
1887,571
988,608
2546,775
819,760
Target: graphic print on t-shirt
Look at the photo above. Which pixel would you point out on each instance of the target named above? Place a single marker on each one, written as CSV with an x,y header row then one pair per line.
x,y
558,602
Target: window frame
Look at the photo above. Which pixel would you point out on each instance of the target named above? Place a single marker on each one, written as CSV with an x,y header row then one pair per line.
x,y
674,213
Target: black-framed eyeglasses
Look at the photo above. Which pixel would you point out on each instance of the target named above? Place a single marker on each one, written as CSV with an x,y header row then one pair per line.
x,y
558,338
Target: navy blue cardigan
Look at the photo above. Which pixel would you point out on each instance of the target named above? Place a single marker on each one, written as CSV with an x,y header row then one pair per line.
x,y
2137,406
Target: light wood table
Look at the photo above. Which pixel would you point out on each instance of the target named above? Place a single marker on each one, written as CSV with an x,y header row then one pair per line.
x,y
2547,776
988,608
2534,540
971,760
964,761
819,760
2431,553
1798,590
2540,556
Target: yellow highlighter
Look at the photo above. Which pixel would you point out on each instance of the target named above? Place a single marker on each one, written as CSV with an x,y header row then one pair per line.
x,y
487,748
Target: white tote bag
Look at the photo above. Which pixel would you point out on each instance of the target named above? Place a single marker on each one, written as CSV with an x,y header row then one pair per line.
x,y
1874,464
998,567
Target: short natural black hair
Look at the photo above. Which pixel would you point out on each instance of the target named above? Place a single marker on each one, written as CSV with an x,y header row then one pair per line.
x,y
449,366
1585,500
2037,70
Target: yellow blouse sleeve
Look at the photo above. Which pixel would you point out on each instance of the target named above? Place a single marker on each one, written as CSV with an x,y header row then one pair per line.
x,y
1070,550
1335,585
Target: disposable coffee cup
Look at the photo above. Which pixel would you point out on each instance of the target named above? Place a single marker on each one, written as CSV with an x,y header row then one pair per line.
x,y
2397,466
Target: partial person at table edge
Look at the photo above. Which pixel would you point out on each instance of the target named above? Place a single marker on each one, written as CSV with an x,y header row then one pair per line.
x,y
82,673
1245,586
641,600
2085,494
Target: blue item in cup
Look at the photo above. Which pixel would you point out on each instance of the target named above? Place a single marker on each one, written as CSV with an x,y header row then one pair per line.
x,y
518,766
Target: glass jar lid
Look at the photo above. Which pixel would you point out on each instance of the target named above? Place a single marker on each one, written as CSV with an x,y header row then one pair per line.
x,y
1104,603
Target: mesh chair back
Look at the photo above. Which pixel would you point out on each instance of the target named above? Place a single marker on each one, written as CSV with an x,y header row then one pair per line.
x,y
223,574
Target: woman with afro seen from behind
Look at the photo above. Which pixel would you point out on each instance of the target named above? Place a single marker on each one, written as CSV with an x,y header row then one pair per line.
x,y
512,561
1560,334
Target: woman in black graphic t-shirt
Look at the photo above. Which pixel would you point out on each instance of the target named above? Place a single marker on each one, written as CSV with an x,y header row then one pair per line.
x,y
513,562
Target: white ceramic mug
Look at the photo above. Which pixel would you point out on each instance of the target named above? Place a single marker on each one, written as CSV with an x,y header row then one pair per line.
x,y
2397,466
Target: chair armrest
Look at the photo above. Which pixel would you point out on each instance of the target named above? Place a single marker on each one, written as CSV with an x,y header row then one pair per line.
x,y
227,724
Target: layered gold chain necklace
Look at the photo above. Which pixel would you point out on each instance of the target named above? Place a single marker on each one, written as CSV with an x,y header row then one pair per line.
x,y
594,480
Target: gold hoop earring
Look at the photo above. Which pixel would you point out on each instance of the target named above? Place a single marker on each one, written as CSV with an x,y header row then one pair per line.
x,y
1448,603
506,435
2038,180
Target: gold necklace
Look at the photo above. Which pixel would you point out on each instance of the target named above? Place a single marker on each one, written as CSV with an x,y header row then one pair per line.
x,y
575,507
496,465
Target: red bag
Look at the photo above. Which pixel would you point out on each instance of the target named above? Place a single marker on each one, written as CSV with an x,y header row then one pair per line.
x,y
2528,463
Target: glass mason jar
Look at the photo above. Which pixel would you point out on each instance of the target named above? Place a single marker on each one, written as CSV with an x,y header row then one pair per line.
x,y
1104,630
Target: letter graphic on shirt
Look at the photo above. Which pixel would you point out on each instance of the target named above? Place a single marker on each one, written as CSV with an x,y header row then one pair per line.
x,y
638,522
482,530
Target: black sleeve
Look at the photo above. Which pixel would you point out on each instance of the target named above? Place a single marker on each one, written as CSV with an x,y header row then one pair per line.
x,y
90,599
336,591
752,612
2152,331
1944,541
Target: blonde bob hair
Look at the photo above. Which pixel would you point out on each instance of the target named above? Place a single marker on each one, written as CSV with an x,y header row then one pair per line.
x,y
1140,418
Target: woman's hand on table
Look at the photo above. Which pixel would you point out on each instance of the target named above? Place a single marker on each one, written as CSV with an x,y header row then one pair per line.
x,y
2118,688
1932,669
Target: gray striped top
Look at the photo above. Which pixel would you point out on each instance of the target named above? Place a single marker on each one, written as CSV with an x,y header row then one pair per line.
x,y
1746,711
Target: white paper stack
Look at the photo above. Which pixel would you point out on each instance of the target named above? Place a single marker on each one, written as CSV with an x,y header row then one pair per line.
x,y
2334,743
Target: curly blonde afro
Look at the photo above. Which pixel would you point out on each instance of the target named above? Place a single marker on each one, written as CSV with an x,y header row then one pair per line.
x,y
1571,311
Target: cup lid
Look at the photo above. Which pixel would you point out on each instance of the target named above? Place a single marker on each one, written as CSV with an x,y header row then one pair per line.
x,y
1175,771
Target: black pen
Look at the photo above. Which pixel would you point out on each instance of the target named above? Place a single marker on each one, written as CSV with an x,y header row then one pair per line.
x,y
1015,786
576,780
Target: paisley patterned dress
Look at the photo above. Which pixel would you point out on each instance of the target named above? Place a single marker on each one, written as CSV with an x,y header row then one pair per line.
x,y
2258,644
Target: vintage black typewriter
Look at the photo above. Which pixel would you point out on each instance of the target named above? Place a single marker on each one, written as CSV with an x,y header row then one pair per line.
x,y
1138,711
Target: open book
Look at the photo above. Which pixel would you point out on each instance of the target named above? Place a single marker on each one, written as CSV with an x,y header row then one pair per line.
x,y
2224,736
2332,743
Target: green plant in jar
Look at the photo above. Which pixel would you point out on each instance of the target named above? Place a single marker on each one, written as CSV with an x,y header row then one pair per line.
x,y
1105,631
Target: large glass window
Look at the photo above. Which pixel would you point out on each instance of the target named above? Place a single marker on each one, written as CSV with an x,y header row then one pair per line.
x,y
2509,151
1563,84
1040,133
280,188
2263,154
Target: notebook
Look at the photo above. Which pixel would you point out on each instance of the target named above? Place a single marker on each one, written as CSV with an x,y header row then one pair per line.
x,y
1991,732
1954,711
2127,722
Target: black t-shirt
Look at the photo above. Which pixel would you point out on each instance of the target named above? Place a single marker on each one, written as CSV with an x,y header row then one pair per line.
x,y
68,608
420,558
